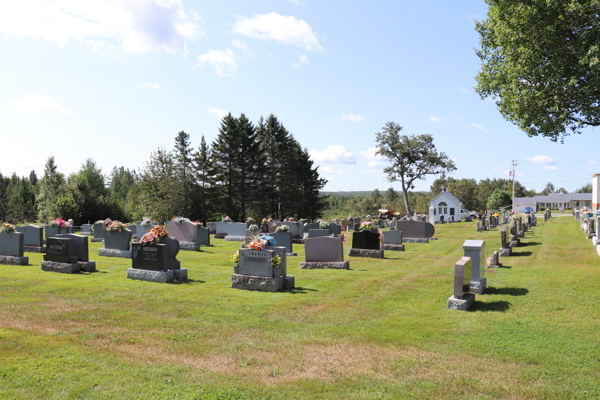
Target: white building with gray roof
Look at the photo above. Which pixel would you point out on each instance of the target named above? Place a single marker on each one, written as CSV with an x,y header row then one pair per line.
x,y
555,201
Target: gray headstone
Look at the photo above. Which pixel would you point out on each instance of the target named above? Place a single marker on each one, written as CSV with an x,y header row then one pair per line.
x,y
324,249
294,227
416,229
203,236
313,233
335,229
32,235
392,237
141,230
52,230
132,228
99,230
11,244
222,228
212,227
86,229
60,250
117,240
150,257
475,249
256,262
236,229
283,239
80,245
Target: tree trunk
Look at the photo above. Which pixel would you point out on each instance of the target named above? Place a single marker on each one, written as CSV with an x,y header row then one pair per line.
x,y
405,195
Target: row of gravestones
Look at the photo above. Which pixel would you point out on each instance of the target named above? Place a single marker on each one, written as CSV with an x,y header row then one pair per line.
x,y
589,222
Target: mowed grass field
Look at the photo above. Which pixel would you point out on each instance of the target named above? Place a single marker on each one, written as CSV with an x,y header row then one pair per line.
x,y
378,331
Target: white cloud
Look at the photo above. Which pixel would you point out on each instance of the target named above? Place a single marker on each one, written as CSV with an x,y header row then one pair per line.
x,y
592,163
462,89
369,154
353,117
477,126
295,65
35,104
135,26
273,26
223,61
242,46
432,118
472,168
541,159
220,114
150,86
551,167
590,171
329,170
374,164
304,59
333,155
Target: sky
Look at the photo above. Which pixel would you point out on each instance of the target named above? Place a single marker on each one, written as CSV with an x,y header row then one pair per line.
x,y
113,80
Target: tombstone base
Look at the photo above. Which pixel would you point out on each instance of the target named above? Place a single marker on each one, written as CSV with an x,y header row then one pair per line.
x,y
87,266
258,283
291,254
229,238
393,247
63,268
515,243
11,260
463,304
114,253
352,252
34,249
495,265
297,240
190,246
415,240
325,265
478,286
220,235
502,252
94,240
169,276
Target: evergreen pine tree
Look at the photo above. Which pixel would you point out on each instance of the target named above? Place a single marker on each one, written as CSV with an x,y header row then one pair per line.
x,y
224,151
184,155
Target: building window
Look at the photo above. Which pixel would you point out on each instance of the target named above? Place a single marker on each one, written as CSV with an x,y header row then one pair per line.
x,y
452,211
443,208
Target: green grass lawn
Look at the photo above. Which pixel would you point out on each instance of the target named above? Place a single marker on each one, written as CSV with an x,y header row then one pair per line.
x,y
378,331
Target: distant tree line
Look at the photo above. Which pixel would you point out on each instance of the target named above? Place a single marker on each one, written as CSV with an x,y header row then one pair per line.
x,y
250,170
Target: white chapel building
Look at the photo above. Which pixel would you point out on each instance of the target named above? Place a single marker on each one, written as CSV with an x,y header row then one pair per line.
x,y
444,207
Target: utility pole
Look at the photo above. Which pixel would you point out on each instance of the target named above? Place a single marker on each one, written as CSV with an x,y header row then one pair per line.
x,y
512,173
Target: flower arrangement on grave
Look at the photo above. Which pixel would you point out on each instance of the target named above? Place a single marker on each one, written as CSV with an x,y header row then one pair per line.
x,y
270,219
282,228
197,222
323,225
7,228
180,220
489,261
58,222
236,258
268,240
276,260
226,219
154,235
71,222
292,219
256,244
146,222
366,225
106,222
264,221
115,226
253,227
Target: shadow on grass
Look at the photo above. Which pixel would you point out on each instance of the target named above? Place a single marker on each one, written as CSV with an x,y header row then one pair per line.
x,y
498,306
505,266
189,281
300,290
521,253
526,244
507,290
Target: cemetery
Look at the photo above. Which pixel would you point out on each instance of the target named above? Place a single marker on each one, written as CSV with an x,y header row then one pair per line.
x,y
461,270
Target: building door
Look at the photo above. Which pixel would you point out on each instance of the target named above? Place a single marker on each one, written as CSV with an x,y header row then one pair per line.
x,y
443,211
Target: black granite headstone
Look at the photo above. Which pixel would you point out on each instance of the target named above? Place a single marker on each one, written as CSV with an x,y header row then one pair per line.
x,y
150,257
60,250
365,240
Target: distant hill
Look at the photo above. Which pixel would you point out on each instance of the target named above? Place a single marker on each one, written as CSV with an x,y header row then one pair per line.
x,y
363,192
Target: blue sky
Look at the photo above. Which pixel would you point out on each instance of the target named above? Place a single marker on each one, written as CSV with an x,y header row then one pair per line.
x,y
114,80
